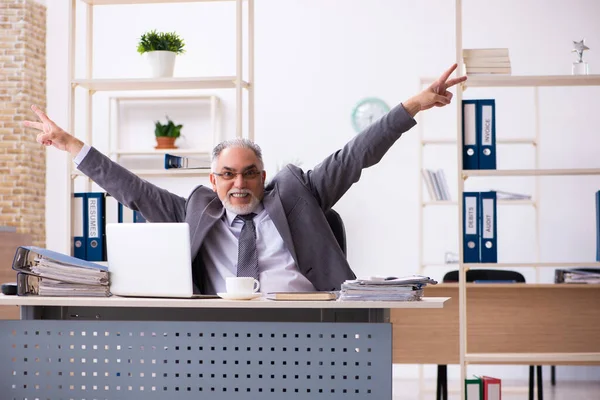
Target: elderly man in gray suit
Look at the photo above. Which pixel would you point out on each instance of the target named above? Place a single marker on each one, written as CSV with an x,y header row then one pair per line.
x,y
278,233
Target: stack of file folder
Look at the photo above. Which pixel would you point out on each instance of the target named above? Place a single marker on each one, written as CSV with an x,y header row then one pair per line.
x,y
577,275
408,288
47,273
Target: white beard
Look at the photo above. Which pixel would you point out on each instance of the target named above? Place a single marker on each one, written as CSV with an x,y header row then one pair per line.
x,y
241,209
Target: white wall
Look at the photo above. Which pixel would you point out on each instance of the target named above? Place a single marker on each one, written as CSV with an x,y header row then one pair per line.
x,y
315,59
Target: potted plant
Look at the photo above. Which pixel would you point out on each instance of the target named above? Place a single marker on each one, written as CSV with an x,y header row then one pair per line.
x,y
160,49
166,134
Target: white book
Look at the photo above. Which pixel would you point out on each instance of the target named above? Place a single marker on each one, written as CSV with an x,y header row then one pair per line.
x,y
488,70
436,187
474,59
485,63
428,184
494,52
444,183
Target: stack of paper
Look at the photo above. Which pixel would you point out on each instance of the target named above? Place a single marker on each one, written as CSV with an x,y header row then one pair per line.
x,y
577,275
503,195
486,61
409,288
48,273
36,285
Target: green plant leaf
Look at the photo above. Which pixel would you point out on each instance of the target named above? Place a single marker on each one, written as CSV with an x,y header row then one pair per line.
x,y
167,41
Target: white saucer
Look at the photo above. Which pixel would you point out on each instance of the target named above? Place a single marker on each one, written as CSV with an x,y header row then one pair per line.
x,y
238,296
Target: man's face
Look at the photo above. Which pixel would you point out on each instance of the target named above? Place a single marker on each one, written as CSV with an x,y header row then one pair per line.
x,y
239,180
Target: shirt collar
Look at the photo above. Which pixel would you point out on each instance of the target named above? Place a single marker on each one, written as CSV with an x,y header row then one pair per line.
x,y
230,216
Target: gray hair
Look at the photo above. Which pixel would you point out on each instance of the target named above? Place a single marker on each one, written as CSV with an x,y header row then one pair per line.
x,y
237,142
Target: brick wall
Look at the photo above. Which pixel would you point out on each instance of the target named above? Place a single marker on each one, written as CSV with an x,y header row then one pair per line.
x,y
22,83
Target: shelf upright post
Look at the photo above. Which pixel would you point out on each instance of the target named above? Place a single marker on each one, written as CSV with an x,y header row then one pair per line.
x,y
251,70
89,66
462,278
68,227
239,68
538,186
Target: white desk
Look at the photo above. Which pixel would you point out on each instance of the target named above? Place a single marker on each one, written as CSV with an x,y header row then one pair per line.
x,y
126,348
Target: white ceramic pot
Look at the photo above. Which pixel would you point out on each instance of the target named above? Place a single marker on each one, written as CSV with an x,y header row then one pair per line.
x,y
161,63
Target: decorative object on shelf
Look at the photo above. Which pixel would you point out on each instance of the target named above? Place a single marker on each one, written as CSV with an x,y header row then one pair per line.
x,y
579,67
166,134
368,111
160,49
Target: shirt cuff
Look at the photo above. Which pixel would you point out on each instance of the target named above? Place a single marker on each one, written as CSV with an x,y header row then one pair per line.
x,y
81,155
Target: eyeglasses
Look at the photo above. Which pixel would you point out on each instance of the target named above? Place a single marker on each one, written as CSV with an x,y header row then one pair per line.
x,y
246,175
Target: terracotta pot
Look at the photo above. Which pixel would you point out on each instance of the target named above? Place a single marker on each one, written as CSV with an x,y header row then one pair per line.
x,y
164,142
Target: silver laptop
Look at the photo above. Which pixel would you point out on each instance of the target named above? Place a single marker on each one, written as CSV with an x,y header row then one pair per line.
x,y
149,259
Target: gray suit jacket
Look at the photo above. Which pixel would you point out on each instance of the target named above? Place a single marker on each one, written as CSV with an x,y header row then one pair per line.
x,y
295,200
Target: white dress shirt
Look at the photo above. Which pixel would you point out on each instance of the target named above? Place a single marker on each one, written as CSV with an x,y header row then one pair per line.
x,y
277,270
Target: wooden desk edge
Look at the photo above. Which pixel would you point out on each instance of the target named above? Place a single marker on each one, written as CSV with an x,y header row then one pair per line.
x,y
116,301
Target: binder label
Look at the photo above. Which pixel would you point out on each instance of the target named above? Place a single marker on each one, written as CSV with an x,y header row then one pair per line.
x,y
471,215
93,218
486,125
487,210
469,122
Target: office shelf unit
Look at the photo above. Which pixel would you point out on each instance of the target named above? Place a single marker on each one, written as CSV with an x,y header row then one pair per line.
x,y
115,133
490,82
450,205
241,83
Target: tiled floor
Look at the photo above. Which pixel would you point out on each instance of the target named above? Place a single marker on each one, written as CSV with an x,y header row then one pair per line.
x,y
514,390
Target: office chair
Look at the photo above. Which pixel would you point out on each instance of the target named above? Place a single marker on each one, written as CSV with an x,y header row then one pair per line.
x,y
486,275
337,227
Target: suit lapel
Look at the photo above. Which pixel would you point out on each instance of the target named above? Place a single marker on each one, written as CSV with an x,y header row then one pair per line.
x,y
272,204
211,214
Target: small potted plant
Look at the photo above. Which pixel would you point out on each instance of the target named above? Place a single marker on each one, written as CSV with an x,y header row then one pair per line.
x,y
160,49
166,134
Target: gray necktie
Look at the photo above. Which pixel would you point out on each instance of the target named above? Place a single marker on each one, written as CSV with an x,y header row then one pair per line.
x,y
247,254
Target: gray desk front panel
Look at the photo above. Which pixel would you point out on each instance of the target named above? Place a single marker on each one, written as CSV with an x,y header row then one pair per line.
x,y
54,359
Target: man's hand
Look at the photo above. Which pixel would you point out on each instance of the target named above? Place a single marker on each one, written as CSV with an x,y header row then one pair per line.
x,y
436,94
53,135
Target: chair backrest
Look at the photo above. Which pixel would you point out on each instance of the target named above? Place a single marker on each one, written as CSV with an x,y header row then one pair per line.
x,y
337,227
486,275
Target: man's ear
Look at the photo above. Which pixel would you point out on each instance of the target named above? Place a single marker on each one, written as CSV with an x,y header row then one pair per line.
x,y
264,176
213,182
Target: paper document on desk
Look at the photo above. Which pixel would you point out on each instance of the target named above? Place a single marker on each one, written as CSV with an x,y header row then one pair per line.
x,y
28,285
408,288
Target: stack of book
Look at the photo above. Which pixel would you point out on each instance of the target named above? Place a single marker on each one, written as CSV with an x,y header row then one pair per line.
x,y
408,288
47,273
486,61
436,183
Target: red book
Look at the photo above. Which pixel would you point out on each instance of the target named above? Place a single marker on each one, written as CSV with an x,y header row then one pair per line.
x,y
492,388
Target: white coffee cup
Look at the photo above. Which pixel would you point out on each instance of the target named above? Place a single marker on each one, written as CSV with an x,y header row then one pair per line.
x,y
241,285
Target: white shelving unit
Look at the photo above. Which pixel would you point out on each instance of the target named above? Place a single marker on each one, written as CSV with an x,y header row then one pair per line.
x,y
115,132
424,262
241,83
496,81
491,81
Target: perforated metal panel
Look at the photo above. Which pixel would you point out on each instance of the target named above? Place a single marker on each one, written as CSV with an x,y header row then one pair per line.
x,y
193,360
